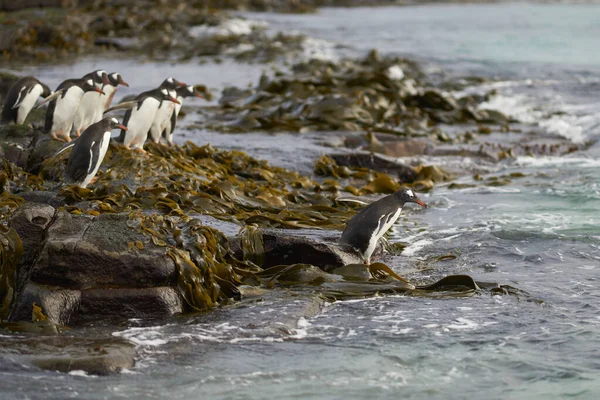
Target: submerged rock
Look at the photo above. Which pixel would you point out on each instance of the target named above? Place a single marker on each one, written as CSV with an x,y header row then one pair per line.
x,y
93,356
378,163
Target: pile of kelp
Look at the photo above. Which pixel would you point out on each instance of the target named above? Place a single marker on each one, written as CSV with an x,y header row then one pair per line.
x,y
154,29
375,94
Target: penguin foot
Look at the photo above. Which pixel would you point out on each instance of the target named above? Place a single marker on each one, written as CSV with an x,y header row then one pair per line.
x,y
61,137
94,179
77,133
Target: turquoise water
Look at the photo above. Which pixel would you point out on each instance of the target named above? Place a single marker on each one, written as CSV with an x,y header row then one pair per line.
x,y
540,234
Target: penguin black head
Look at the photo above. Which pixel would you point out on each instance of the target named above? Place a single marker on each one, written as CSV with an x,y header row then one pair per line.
x,y
408,196
47,92
114,123
168,95
100,77
88,86
116,79
188,91
171,84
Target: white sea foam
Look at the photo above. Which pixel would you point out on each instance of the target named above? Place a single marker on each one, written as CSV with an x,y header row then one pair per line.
x,y
319,49
230,27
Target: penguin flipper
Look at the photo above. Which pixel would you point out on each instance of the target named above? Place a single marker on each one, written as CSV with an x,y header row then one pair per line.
x,y
65,147
125,105
50,98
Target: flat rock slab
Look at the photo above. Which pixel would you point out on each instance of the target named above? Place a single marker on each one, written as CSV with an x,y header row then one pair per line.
x,y
281,249
85,252
94,356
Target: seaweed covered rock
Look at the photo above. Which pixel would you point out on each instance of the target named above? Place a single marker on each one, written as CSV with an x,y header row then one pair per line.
x,y
81,267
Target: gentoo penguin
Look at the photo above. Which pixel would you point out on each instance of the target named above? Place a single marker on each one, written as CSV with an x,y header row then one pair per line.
x,y
365,229
89,151
91,105
169,128
63,106
21,98
138,119
115,80
162,118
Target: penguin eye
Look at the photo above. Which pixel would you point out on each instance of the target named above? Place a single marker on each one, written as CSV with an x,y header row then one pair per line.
x,y
410,193
114,120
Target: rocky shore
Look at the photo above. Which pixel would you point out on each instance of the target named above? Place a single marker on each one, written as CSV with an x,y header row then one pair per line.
x,y
187,229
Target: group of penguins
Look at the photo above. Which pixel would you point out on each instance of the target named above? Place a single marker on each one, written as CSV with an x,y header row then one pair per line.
x,y
78,106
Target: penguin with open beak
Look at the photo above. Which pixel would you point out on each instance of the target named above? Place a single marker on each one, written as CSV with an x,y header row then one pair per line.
x,y
182,93
21,98
91,105
89,151
63,106
162,118
365,229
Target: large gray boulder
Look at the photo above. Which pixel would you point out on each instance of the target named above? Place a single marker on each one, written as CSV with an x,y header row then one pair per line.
x,y
81,268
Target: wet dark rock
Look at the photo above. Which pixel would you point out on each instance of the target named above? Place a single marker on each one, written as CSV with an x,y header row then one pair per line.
x,y
80,268
283,249
94,356
58,304
31,222
115,305
433,98
378,163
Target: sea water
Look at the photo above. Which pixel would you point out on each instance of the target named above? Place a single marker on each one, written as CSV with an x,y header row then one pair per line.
x,y
539,234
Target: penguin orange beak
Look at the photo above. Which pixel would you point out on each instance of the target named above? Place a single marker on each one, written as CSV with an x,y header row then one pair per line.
x,y
174,100
98,90
122,82
121,126
179,83
198,94
419,202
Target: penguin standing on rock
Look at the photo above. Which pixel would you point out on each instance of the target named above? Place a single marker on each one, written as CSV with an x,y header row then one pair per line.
x,y
182,93
91,105
63,106
21,98
162,118
89,151
138,118
365,229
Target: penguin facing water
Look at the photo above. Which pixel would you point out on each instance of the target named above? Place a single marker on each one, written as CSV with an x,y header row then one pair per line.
x,y
365,229
182,93
63,106
91,105
89,151
21,98
162,118
138,119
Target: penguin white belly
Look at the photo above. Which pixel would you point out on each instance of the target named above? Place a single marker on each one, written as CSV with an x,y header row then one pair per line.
x,y
28,102
161,120
383,225
90,104
65,110
93,169
139,123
